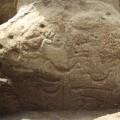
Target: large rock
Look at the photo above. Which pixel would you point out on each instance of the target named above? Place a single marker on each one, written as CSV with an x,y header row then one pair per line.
x,y
62,55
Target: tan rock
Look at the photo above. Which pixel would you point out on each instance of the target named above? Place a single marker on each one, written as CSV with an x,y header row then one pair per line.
x,y
63,55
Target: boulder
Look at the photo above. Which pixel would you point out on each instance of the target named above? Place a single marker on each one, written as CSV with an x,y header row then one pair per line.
x,y
62,55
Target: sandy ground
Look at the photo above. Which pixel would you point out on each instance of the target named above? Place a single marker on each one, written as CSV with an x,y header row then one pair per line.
x,y
64,115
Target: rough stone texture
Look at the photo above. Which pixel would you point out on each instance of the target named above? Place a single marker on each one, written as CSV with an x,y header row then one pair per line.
x,y
7,10
61,55
115,3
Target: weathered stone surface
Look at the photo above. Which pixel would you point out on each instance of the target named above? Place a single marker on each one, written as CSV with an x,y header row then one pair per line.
x,y
63,55
7,10
115,3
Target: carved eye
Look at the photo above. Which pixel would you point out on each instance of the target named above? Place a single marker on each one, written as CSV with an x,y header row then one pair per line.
x,y
108,13
1,46
57,40
42,25
11,36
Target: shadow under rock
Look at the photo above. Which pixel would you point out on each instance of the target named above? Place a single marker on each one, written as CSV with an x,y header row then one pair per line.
x,y
58,115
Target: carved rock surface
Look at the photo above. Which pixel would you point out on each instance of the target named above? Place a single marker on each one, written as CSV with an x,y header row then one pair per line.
x,y
7,10
62,55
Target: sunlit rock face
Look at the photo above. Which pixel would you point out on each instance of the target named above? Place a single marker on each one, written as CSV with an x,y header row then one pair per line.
x,y
115,116
7,10
115,3
61,55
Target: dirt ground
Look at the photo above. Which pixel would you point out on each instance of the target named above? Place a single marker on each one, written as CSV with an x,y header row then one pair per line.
x,y
64,115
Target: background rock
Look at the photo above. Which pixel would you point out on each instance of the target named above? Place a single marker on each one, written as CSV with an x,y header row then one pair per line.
x,y
7,10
